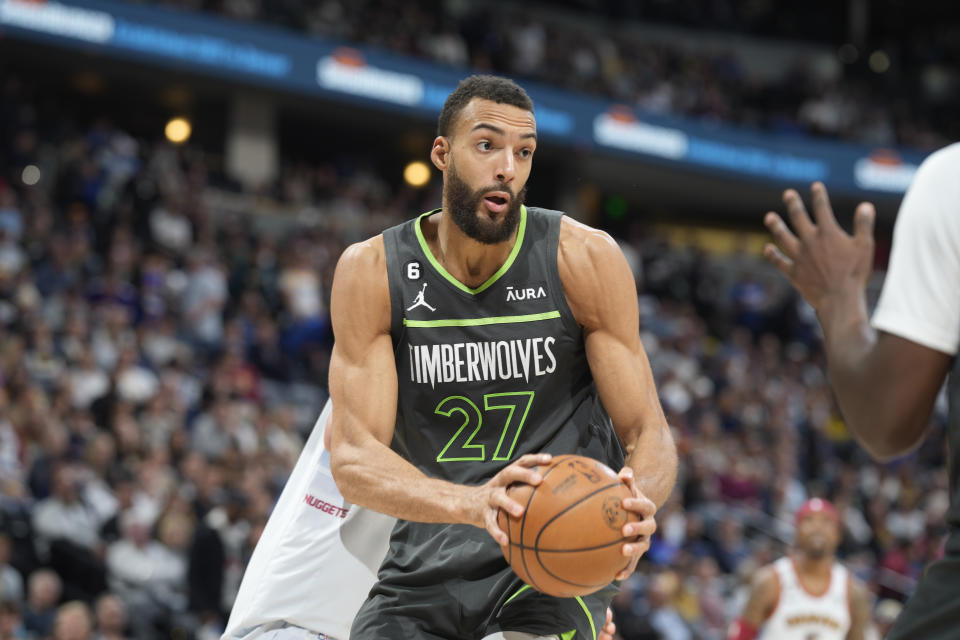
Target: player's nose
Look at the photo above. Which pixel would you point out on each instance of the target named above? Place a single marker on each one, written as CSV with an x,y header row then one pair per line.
x,y
506,167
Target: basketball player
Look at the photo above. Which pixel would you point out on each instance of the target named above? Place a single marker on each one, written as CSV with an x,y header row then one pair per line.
x,y
316,559
887,376
524,344
807,595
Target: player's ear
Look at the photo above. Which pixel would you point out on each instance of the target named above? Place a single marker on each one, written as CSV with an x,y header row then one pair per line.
x,y
440,152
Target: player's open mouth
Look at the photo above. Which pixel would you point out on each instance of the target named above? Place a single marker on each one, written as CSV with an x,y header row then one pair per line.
x,y
497,202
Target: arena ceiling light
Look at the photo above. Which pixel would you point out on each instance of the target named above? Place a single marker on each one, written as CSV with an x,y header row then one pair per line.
x,y
879,61
178,130
417,174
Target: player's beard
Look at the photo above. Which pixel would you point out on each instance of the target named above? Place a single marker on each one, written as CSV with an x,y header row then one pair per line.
x,y
817,549
464,205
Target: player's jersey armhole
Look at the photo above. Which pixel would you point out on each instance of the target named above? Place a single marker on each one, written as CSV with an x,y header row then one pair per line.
x,y
850,596
553,271
393,259
776,601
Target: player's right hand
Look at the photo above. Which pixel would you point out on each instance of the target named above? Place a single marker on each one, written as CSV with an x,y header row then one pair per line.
x,y
487,499
818,257
609,629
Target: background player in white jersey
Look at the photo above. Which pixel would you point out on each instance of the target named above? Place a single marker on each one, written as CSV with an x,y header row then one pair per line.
x,y
317,557
806,595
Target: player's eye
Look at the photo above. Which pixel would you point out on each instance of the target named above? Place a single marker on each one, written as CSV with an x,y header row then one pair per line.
x,y
526,152
484,145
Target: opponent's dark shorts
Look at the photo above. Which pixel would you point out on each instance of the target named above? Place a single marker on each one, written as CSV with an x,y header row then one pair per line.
x,y
933,611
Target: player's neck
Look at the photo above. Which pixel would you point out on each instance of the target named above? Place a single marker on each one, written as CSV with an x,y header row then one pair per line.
x,y
814,567
467,260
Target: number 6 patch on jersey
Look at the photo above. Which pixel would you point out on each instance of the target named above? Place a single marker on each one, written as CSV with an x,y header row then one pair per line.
x,y
412,270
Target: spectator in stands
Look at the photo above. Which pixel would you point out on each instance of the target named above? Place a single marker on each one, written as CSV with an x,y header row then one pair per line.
x,y
11,582
111,618
73,622
204,298
11,621
43,593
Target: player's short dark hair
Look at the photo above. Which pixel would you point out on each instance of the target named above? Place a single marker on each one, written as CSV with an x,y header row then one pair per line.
x,y
493,88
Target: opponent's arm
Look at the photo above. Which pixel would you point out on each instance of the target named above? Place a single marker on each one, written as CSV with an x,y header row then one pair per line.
x,y
885,385
363,390
859,610
764,594
602,295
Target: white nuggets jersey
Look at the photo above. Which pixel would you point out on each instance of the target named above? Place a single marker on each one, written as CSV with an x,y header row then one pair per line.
x,y
318,555
800,615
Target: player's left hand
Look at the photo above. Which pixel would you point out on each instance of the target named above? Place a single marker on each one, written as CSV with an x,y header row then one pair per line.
x,y
609,629
645,510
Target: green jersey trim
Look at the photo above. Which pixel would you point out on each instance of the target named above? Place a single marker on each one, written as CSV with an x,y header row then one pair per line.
x,y
586,610
567,634
477,322
519,591
521,230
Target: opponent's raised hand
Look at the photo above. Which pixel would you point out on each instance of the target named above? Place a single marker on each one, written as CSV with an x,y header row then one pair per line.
x,y
818,257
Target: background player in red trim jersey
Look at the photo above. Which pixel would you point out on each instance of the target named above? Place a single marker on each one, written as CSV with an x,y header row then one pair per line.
x,y
807,595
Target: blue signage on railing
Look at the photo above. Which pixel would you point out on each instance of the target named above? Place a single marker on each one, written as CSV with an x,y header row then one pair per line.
x,y
268,56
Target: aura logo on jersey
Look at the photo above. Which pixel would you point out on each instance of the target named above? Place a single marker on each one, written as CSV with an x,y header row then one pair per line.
x,y
525,293
482,361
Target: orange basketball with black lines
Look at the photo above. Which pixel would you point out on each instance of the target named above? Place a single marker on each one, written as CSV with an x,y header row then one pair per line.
x,y
568,542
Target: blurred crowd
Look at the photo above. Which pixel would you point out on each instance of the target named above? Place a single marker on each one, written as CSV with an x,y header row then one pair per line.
x,y
590,47
163,355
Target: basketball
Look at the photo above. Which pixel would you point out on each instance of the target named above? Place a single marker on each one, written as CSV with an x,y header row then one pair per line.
x,y
568,540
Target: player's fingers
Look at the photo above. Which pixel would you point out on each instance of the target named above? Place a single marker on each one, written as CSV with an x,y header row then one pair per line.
x,y
822,211
863,220
642,506
798,214
490,522
635,552
642,529
782,235
532,459
518,473
609,627
500,499
626,475
636,548
775,257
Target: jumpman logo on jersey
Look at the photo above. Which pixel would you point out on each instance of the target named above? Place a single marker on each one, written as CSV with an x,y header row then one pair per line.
x,y
419,301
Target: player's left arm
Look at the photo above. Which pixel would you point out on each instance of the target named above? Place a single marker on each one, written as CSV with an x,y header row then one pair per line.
x,y
859,610
601,292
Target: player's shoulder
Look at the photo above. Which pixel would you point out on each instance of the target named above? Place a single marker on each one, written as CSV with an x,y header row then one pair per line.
x,y
596,278
946,159
361,277
584,245
587,255
766,579
366,254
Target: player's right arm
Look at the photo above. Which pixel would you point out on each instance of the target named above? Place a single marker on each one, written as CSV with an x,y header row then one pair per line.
x,y
859,610
885,384
764,594
363,390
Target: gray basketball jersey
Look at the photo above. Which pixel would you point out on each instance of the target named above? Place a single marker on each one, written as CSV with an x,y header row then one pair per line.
x,y
489,374
485,376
